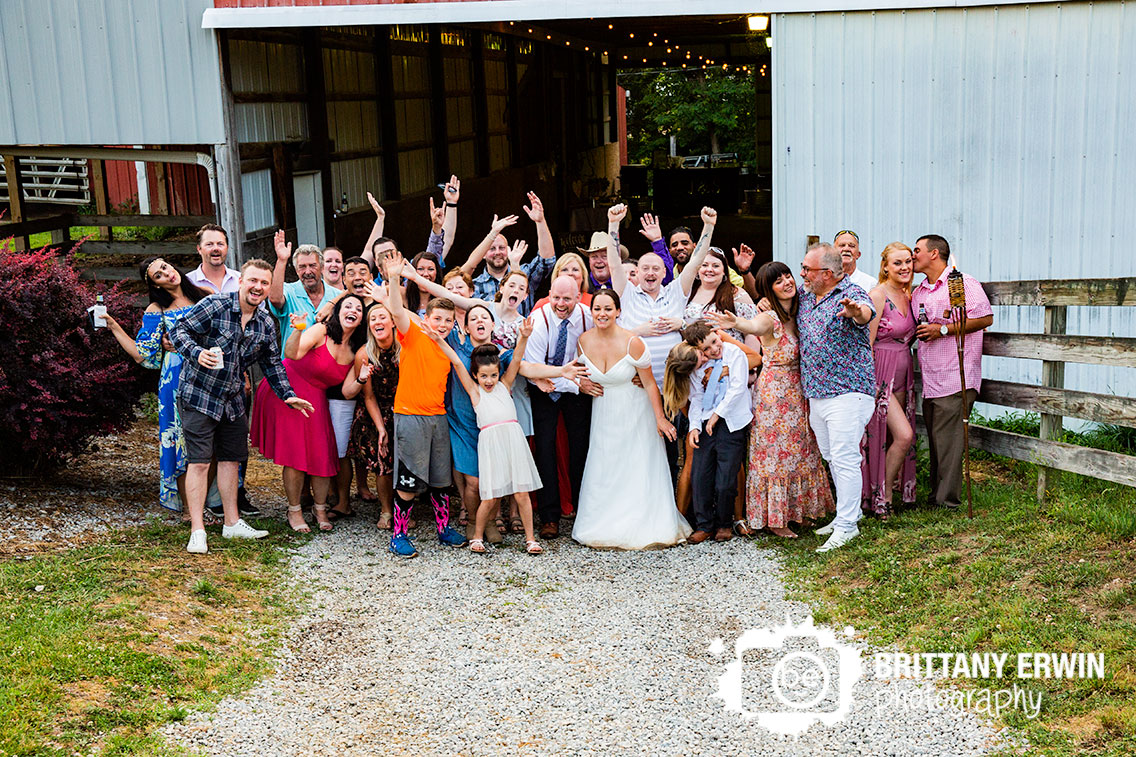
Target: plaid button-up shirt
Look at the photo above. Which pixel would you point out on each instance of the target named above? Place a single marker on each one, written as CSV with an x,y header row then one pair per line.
x,y
485,286
215,321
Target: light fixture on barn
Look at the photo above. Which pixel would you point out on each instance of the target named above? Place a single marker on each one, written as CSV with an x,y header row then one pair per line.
x,y
758,23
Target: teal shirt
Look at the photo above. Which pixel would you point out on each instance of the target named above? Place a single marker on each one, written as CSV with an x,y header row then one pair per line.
x,y
296,300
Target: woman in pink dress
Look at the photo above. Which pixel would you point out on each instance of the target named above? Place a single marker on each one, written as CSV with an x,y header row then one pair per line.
x,y
315,358
888,449
786,482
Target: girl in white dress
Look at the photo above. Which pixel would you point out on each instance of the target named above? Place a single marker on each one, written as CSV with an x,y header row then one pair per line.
x,y
626,498
503,457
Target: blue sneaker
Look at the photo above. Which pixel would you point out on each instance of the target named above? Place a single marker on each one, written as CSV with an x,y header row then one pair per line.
x,y
400,545
451,538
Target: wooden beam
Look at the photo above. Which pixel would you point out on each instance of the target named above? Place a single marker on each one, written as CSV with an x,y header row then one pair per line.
x,y
227,166
317,125
512,107
36,225
1121,291
138,249
98,184
480,100
1052,376
143,220
1101,408
283,190
1100,350
1108,466
388,128
612,99
16,213
161,189
439,127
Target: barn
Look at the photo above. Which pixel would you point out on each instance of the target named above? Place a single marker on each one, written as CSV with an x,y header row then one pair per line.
x,y
998,126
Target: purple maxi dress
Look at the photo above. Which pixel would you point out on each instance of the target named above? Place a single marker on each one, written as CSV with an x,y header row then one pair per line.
x,y
894,372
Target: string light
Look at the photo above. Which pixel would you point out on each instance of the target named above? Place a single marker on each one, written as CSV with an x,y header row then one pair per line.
x,y
650,44
632,35
611,26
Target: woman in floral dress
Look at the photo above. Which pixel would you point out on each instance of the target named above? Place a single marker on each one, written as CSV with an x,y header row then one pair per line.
x,y
786,481
171,297
372,431
889,452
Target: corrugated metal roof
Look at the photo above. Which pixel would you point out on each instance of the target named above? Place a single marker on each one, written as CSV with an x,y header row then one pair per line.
x,y
1003,129
99,72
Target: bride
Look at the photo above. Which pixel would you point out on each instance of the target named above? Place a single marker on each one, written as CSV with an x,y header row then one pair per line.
x,y
626,499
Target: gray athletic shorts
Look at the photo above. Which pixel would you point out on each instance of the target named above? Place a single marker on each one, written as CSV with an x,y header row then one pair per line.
x,y
421,452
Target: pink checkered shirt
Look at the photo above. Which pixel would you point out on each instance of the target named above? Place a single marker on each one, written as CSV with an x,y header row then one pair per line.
x,y
938,359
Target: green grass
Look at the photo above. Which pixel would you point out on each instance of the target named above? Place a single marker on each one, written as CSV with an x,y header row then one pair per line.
x,y
1019,577
132,633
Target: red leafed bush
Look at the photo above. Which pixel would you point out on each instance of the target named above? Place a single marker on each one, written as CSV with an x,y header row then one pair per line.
x,y
61,383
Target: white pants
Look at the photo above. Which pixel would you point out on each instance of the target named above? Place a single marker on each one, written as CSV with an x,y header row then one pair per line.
x,y
838,423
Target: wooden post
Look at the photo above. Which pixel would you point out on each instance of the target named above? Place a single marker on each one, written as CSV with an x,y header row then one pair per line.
x,y
1052,375
316,88
388,128
479,98
227,167
161,190
439,130
16,199
512,111
98,184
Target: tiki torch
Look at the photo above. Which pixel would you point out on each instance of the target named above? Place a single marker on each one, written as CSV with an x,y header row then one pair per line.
x,y
957,293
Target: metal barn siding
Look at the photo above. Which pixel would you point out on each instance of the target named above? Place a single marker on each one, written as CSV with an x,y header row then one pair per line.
x,y
1003,129
97,72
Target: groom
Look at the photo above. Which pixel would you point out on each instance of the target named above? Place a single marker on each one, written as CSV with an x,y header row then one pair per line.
x,y
557,327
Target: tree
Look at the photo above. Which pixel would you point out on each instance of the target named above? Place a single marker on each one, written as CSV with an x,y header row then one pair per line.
x,y
706,110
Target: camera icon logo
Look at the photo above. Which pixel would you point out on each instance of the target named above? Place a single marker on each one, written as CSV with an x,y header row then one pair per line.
x,y
805,686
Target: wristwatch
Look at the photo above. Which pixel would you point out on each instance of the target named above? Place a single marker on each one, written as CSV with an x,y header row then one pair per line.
x,y
943,329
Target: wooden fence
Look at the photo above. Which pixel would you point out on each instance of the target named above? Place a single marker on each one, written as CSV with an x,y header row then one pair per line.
x,y
104,242
1052,400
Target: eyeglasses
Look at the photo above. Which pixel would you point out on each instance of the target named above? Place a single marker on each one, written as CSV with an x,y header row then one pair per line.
x,y
807,269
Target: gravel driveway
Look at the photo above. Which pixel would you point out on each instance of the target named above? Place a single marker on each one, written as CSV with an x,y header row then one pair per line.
x,y
573,652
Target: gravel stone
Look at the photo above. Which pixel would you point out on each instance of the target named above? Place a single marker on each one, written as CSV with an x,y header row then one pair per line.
x,y
576,651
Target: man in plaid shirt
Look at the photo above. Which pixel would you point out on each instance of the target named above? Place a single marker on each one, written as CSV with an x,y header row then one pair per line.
x,y
211,392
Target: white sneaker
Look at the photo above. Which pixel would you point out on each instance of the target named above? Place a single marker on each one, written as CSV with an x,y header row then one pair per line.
x,y
242,530
838,539
197,543
825,530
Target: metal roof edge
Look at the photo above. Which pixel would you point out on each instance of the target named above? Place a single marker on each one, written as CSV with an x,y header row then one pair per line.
x,y
548,10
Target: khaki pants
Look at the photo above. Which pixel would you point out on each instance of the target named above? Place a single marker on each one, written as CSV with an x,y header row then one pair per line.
x,y
943,416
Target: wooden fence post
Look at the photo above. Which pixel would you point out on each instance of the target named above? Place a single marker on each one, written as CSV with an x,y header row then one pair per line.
x,y
16,212
1052,375
98,185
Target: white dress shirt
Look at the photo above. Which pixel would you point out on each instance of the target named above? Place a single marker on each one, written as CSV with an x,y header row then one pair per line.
x,y
865,281
542,343
638,308
734,405
231,282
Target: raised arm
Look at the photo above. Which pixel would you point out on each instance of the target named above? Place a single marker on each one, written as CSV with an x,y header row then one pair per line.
x,y
535,211
523,335
147,333
690,271
743,259
302,341
376,230
654,234
478,254
450,194
615,216
280,272
460,368
437,290
394,264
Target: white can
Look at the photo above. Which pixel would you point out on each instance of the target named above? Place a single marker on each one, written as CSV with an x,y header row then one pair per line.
x,y
220,357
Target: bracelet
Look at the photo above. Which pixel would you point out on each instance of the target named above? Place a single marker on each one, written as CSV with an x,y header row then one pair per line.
x,y
360,382
451,204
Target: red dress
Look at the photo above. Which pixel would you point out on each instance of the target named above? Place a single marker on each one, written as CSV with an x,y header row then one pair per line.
x,y
283,434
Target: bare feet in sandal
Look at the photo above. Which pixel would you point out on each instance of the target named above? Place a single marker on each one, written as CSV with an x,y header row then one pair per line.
x,y
384,523
533,548
477,545
296,520
784,533
321,517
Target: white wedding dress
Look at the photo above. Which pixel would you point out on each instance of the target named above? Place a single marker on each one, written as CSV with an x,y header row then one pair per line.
x,y
626,497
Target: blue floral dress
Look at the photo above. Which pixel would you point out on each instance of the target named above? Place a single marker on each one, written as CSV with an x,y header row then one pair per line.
x,y
171,454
